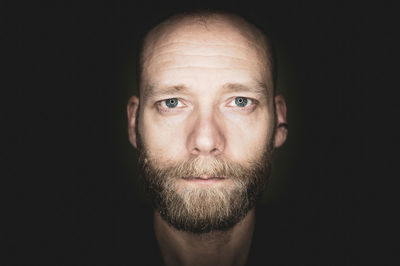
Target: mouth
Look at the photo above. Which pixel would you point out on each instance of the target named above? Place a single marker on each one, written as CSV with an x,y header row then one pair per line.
x,y
204,179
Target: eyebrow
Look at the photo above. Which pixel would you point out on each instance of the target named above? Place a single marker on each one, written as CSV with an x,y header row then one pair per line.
x,y
258,88
151,91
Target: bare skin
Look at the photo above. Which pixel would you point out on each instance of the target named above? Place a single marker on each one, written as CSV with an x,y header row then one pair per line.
x,y
198,66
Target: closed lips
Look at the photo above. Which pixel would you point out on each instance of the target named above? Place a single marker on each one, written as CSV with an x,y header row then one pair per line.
x,y
203,178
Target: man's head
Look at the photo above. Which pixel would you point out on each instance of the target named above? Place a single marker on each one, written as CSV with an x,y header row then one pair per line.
x,y
206,123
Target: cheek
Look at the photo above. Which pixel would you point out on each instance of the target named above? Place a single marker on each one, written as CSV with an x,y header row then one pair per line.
x,y
248,136
163,138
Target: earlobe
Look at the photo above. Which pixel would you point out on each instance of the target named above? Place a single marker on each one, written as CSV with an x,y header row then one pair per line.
x,y
132,108
281,123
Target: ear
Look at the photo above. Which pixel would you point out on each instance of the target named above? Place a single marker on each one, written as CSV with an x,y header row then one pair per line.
x,y
281,127
132,109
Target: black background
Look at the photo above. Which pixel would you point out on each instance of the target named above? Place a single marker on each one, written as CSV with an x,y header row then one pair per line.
x,y
70,187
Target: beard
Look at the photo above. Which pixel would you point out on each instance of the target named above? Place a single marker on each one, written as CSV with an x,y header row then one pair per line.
x,y
203,209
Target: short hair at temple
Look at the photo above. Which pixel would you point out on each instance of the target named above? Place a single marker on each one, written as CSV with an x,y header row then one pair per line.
x,y
203,17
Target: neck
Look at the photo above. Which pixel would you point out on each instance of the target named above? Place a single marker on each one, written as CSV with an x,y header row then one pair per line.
x,y
215,248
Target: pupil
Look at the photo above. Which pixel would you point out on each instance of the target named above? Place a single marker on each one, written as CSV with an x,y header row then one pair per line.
x,y
241,101
171,103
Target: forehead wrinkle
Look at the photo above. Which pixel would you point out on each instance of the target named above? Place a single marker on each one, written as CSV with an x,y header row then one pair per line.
x,y
175,55
200,55
199,43
170,33
186,58
203,67
179,45
204,50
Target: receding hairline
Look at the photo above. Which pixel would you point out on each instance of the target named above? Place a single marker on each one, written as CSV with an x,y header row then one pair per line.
x,y
205,18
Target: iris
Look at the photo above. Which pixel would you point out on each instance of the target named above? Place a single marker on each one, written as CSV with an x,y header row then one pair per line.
x,y
171,103
241,101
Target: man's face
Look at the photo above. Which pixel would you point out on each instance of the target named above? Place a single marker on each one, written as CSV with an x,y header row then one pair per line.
x,y
205,125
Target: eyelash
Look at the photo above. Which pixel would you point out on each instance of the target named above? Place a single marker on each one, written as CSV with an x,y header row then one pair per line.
x,y
251,104
166,109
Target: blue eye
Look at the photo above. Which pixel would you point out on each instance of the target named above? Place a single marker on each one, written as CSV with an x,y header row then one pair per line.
x,y
241,101
171,103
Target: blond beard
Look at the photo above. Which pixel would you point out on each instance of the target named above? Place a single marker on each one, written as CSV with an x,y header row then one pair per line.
x,y
202,209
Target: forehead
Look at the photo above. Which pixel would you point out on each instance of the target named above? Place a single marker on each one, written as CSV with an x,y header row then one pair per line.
x,y
216,51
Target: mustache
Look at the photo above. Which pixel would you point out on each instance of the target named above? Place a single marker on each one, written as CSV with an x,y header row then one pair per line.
x,y
198,167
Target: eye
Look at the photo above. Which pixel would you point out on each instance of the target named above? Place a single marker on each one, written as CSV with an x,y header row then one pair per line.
x,y
170,103
241,102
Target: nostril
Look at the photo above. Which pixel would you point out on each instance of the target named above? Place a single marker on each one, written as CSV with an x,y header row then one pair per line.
x,y
215,150
196,151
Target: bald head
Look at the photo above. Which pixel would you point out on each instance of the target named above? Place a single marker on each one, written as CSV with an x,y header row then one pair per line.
x,y
189,31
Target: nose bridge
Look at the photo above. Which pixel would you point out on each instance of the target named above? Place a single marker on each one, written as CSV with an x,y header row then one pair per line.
x,y
206,136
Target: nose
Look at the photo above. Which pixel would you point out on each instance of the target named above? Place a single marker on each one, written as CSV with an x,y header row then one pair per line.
x,y
206,137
